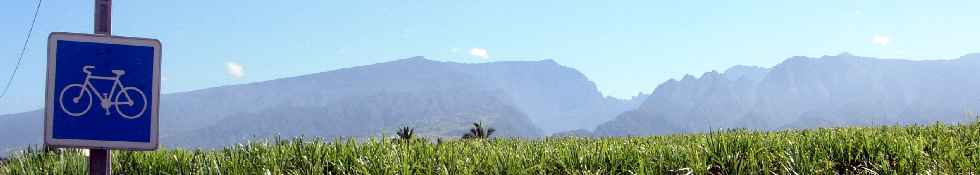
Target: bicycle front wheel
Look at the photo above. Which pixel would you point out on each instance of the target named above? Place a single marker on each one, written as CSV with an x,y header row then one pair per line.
x,y
130,103
75,100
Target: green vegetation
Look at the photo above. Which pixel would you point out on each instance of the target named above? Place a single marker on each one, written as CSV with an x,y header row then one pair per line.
x,y
479,131
406,133
932,149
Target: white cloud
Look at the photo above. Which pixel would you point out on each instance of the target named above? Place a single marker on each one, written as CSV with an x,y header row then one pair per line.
x,y
234,69
881,40
480,52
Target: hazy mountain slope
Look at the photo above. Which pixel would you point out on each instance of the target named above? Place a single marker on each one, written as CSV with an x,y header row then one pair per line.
x,y
691,104
810,92
196,109
20,130
557,98
551,95
363,101
554,97
855,90
433,114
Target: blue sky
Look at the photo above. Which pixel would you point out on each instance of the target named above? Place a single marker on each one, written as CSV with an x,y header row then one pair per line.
x,y
626,47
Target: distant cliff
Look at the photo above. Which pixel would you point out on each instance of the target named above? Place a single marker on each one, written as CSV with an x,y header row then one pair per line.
x,y
806,92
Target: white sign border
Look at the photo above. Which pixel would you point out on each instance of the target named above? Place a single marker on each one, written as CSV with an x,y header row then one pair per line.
x,y
49,139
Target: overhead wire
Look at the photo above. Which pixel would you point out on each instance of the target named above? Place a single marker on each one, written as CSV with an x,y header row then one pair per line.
x,y
23,49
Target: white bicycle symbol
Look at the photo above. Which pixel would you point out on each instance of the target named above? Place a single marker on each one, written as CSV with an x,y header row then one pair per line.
x,y
123,98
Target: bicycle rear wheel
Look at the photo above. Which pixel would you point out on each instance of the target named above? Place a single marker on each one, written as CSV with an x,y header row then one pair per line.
x,y
136,105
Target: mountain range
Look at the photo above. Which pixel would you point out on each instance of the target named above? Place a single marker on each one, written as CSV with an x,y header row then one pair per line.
x,y
540,98
802,92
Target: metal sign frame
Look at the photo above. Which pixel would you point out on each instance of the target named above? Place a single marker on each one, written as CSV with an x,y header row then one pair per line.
x,y
49,139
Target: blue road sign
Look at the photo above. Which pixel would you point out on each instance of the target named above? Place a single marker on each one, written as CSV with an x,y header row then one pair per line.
x,y
102,92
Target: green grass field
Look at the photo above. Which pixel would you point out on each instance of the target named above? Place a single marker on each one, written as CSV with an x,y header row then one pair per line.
x,y
932,149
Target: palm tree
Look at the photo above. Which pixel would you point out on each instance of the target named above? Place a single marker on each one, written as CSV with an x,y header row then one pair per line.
x,y
479,132
406,133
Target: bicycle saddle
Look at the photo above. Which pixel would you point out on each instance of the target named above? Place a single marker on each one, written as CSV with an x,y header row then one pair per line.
x,y
118,72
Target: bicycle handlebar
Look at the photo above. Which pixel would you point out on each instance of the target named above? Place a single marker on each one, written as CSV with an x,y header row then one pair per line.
x,y
86,69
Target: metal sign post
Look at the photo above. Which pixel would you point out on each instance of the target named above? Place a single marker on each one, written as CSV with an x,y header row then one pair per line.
x,y
103,16
100,159
99,162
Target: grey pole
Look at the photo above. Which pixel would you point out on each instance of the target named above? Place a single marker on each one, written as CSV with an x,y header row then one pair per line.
x,y
103,17
99,160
